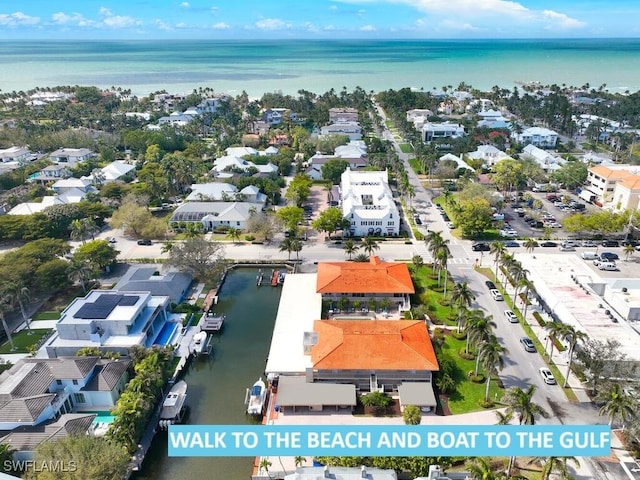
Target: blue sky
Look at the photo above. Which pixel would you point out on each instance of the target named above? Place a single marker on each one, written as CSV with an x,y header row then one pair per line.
x,y
317,19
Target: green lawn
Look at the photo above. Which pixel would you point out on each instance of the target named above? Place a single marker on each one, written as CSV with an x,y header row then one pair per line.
x,y
468,395
430,294
415,166
45,316
23,341
406,148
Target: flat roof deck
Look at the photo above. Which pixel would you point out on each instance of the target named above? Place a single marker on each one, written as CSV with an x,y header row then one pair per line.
x,y
551,275
299,307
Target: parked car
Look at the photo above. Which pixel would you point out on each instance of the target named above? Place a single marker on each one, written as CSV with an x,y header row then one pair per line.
x,y
589,255
418,221
547,376
567,248
509,315
450,225
112,239
527,344
633,243
497,296
144,242
610,243
609,256
589,243
480,247
490,285
548,244
511,244
608,266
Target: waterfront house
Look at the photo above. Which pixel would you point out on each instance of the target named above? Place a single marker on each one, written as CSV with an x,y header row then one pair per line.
x,y
341,473
343,114
70,156
385,282
231,163
350,129
225,192
373,355
36,390
24,440
367,202
72,195
172,284
113,321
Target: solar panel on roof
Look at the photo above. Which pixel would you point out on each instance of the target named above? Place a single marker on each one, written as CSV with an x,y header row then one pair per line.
x,y
99,309
128,300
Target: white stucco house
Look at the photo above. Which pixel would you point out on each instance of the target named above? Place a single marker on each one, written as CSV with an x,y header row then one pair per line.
x,y
537,136
350,129
215,214
436,131
71,156
229,163
15,154
543,158
367,202
488,155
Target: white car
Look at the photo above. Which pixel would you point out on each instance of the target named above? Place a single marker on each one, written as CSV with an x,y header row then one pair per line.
x,y
547,376
509,315
450,225
496,295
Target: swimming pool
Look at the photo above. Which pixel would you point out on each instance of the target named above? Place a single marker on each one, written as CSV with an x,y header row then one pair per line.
x,y
166,332
102,417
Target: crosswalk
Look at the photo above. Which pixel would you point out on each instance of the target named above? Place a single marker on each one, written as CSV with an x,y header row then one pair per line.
x,y
421,249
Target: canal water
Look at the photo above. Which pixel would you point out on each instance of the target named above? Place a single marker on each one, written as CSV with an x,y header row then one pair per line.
x,y
217,386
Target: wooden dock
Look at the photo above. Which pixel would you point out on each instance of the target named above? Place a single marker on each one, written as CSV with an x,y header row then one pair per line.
x,y
210,300
274,278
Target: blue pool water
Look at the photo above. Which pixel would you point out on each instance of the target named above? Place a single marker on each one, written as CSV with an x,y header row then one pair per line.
x,y
102,417
167,331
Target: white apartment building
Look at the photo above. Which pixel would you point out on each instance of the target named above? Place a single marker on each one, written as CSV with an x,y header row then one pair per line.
x,y
538,136
605,180
367,202
435,131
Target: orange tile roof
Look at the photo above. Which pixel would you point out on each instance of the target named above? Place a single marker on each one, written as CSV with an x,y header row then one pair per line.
x,y
610,173
373,345
632,183
364,277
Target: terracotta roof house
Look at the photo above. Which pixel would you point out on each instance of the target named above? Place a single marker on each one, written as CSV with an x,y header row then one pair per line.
x,y
372,354
388,283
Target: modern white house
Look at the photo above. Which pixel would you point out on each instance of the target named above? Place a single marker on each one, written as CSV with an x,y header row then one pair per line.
x,y
113,321
15,154
116,170
538,136
69,195
35,390
459,161
275,116
71,156
225,192
51,173
367,202
436,131
176,119
350,129
230,163
66,184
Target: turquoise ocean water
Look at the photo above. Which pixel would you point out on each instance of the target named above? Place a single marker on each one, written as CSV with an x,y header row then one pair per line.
x,y
291,65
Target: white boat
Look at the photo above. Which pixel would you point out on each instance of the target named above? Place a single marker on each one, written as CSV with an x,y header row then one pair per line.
x,y
173,407
199,344
257,397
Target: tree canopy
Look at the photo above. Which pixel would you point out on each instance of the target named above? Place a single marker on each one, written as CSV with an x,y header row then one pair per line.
x,y
203,259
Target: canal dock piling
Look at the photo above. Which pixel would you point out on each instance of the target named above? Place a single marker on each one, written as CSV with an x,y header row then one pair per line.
x,y
211,322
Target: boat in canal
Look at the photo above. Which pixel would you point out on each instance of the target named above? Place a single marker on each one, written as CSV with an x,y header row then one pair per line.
x,y
173,407
201,344
257,398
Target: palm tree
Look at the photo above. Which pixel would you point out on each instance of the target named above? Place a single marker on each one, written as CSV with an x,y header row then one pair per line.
x,y
296,246
5,326
78,230
497,249
555,329
442,258
299,461
481,469
361,257
479,328
517,274
79,272
504,418
166,248
490,354
16,292
556,466
628,250
506,262
462,297
369,245
233,234
528,286
264,465
530,245
287,246
520,402
572,336
350,248
617,404
193,230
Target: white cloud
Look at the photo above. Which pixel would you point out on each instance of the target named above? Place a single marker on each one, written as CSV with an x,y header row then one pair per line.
x,y
368,28
361,12
120,21
105,12
184,4
271,24
162,26
311,27
214,10
563,20
458,25
17,18
333,8
329,28
181,25
75,19
221,26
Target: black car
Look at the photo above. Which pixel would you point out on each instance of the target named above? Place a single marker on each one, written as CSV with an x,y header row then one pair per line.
x,y
144,242
480,247
610,243
490,285
609,256
633,243
418,221
511,244
548,244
